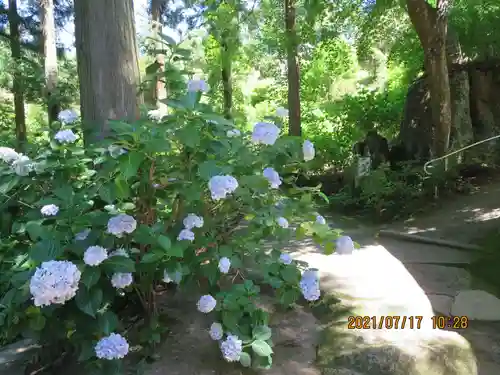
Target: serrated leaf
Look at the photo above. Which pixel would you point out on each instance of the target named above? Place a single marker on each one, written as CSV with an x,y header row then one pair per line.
x,y
119,264
90,276
261,348
89,301
151,257
108,322
290,274
130,164
46,250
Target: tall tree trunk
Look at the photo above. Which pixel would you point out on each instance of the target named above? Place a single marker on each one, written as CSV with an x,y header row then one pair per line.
x,y
293,69
17,86
431,26
108,67
160,94
50,57
226,73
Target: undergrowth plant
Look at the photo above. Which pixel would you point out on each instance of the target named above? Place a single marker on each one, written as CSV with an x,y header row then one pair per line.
x,y
183,198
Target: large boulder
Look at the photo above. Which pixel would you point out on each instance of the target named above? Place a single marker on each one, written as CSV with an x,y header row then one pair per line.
x,y
372,283
474,88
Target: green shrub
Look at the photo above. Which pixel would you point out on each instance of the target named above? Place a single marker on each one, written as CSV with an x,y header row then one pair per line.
x,y
160,201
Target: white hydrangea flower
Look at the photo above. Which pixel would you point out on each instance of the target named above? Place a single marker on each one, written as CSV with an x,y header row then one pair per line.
x,y
116,151
224,265
320,220
266,133
120,252
309,285
68,116
95,255
281,112
112,347
121,280
273,177
82,236
155,115
195,85
216,331
120,224
23,165
233,133
231,348
308,150
186,234
193,221
282,222
285,258
49,210
54,282
221,186
344,245
206,303
8,155
65,136
176,277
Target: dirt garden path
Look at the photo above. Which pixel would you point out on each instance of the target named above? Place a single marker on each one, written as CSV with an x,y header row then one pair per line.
x,y
441,272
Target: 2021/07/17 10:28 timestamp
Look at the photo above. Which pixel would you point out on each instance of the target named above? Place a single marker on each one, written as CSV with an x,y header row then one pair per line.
x,y
402,322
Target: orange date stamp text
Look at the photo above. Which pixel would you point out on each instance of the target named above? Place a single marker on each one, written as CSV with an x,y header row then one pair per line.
x,y
385,322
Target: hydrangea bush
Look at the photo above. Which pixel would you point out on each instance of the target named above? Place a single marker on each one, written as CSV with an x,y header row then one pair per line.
x,y
185,199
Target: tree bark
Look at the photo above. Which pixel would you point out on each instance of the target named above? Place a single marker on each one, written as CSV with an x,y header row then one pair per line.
x,y
226,74
292,69
50,57
431,26
17,86
108,67
160,94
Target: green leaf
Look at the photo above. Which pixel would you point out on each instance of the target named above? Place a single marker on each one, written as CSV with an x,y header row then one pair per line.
x,y
90,276
216,118
164,242
290,274
65,194
230,320
120,127
37,322
87,351
261,348
11,183
122,188
189,138
158,145
151,257
176,251
119,264
289,297
34,229
46,250
245,359
329,248
131,163
262,333
143,235
89,301
107,322
208,169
